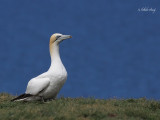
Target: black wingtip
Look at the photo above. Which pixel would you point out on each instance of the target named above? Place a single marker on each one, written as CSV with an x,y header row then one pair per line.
x,y
21,97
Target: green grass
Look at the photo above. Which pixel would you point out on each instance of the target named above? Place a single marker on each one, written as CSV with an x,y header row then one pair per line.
x,y
80,109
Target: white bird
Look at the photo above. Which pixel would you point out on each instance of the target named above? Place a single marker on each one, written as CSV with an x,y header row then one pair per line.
x,y
47,85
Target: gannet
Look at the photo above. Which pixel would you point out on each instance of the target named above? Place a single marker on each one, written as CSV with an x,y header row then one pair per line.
x,y
47,85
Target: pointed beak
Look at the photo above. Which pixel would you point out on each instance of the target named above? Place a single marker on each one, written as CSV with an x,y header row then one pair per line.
x,y
66,37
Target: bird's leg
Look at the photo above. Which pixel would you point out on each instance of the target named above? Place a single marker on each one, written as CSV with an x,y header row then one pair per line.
x,y
42,99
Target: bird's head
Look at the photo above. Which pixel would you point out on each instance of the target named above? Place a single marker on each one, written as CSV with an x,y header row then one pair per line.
x,y
57,38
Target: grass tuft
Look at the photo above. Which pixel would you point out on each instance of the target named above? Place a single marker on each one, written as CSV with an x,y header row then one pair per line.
x,y
80,109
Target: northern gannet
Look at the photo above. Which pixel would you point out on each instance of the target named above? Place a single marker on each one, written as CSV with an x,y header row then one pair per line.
x,y
47,85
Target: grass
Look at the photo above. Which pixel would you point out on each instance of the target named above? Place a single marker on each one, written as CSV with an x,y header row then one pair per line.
x,y
80,109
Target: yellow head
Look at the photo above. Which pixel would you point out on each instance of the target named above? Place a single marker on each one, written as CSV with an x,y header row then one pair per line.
x,y
56,39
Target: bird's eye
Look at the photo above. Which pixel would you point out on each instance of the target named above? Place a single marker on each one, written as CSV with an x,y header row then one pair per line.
x,y
58,37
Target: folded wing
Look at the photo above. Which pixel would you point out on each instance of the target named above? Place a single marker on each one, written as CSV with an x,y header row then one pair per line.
x,y
37,85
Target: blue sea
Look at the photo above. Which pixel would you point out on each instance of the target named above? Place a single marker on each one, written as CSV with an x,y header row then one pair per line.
x,y
114,50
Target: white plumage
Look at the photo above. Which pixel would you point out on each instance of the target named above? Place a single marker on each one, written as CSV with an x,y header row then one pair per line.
x,y
47,85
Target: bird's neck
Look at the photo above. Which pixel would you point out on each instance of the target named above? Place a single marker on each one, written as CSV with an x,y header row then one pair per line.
x,y
55,57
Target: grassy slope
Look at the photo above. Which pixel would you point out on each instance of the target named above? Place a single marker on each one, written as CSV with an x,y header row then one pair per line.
x,y
80,109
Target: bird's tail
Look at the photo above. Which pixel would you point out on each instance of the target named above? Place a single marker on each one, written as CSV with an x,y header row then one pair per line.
x,y
22,97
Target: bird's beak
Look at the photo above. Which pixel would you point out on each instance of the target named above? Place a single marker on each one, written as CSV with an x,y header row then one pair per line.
x,y
65,37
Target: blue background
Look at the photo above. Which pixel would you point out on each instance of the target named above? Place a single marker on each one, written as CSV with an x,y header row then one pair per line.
x,y
114,52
